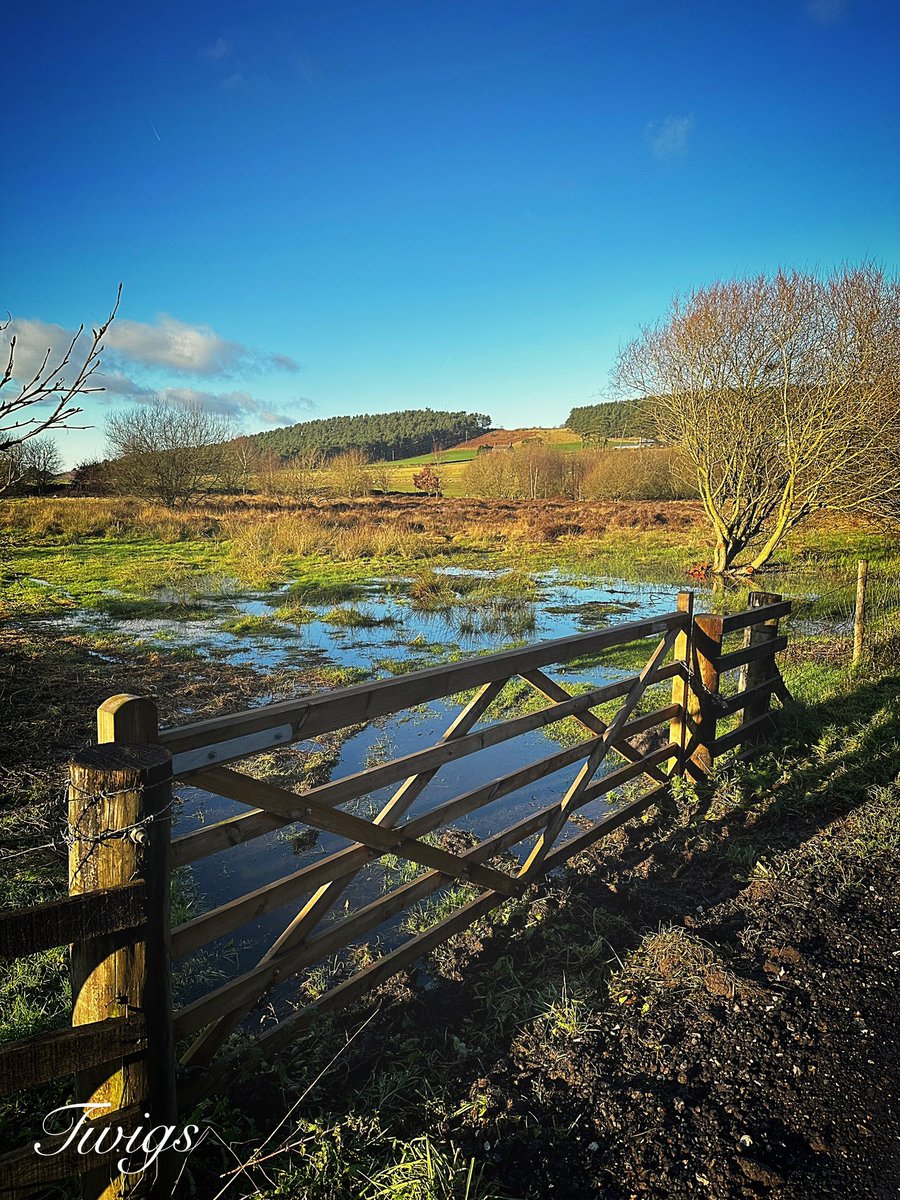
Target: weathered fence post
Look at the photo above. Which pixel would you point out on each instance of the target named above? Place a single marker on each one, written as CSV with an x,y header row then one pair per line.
x,y
678,727
129,719
761,670
706,647
859,614
119,801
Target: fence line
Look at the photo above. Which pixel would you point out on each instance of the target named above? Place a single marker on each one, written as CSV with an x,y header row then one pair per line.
x,y
121,1045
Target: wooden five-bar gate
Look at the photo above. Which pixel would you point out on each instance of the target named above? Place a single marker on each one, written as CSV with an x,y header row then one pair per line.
x,y
126,1046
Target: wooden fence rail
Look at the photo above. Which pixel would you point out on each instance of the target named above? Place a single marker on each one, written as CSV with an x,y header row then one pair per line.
x,y
121,1046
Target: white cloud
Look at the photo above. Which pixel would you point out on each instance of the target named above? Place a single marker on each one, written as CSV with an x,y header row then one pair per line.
x,y
192,349
238,406
138,356
168,344
826,12
220,49
669,138
233,81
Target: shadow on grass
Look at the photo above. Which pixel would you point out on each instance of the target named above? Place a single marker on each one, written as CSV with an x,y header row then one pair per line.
x,y
538,987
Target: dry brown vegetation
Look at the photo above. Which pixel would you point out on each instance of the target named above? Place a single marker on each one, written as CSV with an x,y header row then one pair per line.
x,y
537,472
308,525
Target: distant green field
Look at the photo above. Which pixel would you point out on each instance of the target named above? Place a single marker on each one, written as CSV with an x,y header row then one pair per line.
x,y
460,456
419,460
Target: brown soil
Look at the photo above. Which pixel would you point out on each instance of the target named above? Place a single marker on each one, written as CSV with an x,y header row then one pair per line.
x,y
742,1037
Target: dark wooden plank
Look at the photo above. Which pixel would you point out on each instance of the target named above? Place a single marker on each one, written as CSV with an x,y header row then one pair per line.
x,y
344,824
728,741
603,827
72,919
45,1056
735,703
737,658
232,831
755,616
364,702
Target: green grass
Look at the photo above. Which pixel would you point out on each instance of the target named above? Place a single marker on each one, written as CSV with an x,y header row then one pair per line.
x,y
256,626
354,617
448,456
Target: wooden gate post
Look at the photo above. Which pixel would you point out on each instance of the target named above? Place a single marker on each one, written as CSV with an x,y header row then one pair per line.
x,y
119,819
755,674
678,727
703,713
859,613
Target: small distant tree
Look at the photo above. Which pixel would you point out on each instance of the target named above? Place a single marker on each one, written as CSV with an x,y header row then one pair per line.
x,y
167,452
13,468
349,474
380,474
268,471
246,461
44,463
427,481
91,478
47,400
302,475
29,466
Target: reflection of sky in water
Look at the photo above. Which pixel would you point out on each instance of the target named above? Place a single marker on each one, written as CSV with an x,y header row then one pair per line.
x,y
561,607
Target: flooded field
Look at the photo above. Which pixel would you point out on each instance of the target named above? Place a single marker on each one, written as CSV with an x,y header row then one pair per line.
x,y
387,627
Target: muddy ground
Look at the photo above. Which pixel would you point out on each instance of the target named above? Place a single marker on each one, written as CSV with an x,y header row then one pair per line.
x,y
726,1018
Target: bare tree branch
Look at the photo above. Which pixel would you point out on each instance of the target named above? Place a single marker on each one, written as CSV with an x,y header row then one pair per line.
x,y
24,415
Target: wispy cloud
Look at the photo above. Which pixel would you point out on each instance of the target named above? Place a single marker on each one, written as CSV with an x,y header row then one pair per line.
x,y
669,138
235,80
826,12
138,356
220,49
192,349
237,406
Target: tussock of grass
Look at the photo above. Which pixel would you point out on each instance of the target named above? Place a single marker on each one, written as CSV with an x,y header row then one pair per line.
x,y
672,963
256,626
354,617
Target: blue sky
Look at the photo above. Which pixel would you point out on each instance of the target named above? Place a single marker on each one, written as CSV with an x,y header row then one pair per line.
x,y
320,209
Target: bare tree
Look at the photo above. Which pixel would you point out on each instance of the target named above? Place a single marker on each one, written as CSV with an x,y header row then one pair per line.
x,y
48,400
13,467
171,453
302,475
246,460
381,477
44,463
349,474
781,393
29,465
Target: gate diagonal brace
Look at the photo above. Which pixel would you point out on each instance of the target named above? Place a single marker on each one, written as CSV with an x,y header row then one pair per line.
x,y
554,691
570,801
332,820
301,926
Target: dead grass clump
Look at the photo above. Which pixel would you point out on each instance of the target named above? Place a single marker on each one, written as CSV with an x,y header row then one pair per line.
x,y
74,518
670,964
